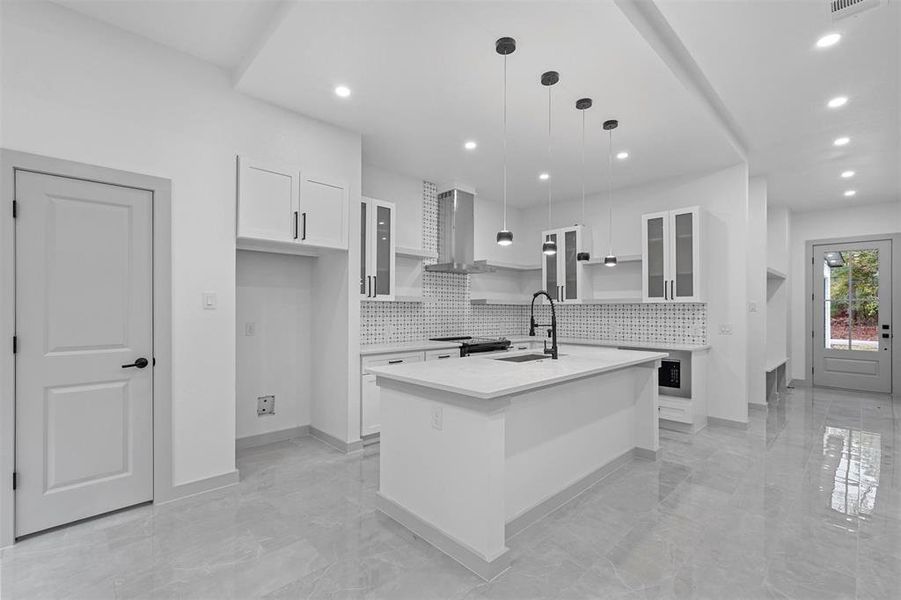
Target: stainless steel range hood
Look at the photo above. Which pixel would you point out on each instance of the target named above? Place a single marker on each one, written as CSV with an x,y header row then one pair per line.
x,y
456,233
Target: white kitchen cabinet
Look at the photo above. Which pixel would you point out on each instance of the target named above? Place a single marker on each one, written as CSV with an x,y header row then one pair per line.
x,y
671,256
442,354
323,213
279,203
370,402
565,278
267,200
377,249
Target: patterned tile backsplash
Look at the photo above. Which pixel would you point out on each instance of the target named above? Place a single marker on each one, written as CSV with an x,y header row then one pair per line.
x,y
448,311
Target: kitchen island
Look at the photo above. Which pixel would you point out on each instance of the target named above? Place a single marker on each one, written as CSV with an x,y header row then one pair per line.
x,y
474,450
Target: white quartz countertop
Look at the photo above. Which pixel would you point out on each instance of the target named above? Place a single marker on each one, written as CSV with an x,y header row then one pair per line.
x,y
487,378
614,343
389,348
369,349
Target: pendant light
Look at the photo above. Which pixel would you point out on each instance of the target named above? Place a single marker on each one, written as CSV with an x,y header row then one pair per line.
x,y
549,247
583,104
609,126
505,46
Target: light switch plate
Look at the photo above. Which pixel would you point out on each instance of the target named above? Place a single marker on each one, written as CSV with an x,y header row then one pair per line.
x,y
209,300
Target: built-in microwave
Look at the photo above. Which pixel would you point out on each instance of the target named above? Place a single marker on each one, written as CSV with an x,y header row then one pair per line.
x,y
674,376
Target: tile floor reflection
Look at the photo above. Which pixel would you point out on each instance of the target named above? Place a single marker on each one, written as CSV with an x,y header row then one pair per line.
x,y
805,504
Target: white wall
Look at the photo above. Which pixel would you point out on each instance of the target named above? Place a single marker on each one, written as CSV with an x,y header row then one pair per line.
x,y
274,294
778,233
868,219
724,196
89,92
757,290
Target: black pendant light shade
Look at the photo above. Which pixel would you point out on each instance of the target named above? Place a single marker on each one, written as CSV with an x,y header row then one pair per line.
x,y
549,247
610,261
504,238
583,256
505,46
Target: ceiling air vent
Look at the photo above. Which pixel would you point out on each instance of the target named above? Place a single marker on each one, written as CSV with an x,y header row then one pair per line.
x,y
842,9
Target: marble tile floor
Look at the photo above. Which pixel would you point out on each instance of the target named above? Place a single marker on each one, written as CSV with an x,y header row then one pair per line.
x,y
804,504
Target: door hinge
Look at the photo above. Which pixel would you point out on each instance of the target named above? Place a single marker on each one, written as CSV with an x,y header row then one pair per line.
x,y
15,208
15,480
15,344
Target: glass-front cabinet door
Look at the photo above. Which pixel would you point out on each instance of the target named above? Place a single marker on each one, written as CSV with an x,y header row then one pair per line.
x,y
654,270
550,264
563,276
685,252
377,250
570,265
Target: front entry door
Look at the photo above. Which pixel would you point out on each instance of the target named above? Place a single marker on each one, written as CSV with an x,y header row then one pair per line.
x,y
852,331
83,315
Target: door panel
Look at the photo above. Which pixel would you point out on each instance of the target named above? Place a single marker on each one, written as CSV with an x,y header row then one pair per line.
x,y
683,255
83,309
852,315
655,246
323,208
267,199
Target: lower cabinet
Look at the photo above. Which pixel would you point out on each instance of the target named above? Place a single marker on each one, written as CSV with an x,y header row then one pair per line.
x,y
369,392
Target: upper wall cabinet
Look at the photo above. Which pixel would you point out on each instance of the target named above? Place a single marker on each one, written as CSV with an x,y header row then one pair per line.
x,y
564,277
377,249
267,200
279,203
671,256
323,213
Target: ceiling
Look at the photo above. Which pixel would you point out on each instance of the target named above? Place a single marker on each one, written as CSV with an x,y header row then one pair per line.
x,y
763,62
425,78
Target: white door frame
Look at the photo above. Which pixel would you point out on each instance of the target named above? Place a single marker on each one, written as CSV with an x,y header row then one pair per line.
x,y
10,161
810,314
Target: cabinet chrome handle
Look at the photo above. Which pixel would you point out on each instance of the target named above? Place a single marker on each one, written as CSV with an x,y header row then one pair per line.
x,y
369,286
375,286
444,356
394,362
295,224
304,235
139,363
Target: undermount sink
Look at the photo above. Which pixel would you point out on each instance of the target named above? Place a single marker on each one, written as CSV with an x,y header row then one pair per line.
x,y
524,357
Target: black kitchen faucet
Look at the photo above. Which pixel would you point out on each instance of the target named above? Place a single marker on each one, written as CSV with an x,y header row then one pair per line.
x,y
553,324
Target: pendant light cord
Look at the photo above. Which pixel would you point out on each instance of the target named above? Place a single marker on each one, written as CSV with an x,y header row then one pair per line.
x,y
505,142
610,188
583,167
550,178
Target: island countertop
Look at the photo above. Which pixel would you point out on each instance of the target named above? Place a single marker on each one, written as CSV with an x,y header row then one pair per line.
x,y
488,378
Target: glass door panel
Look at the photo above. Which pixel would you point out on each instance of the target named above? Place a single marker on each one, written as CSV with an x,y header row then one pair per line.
x,y
363,248
383,251
570,248
550,268
684,255
656,257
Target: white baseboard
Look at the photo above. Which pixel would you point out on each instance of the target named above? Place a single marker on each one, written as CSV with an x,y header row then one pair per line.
x,y
271,437
200,486
341,446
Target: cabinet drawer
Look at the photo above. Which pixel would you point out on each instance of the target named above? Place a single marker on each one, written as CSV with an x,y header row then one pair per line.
x,y
390,359
442,354
673,412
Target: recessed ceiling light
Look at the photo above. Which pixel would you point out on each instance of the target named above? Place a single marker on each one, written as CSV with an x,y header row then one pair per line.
x,y
470,145
830,39
849,193
544,176
342,91
842,141
837,102
847,174
622,155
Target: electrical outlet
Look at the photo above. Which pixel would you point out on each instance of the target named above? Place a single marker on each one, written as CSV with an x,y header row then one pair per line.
x,y
250,328
752,307
437,418
265,405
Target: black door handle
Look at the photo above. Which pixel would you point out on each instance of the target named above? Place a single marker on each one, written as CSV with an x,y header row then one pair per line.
x,y
139,363
295,224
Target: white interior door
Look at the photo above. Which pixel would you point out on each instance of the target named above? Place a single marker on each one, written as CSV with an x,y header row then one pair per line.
x,y
852,329
83,312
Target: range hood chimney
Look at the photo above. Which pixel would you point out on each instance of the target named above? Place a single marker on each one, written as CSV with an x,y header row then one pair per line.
x,y
456,234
